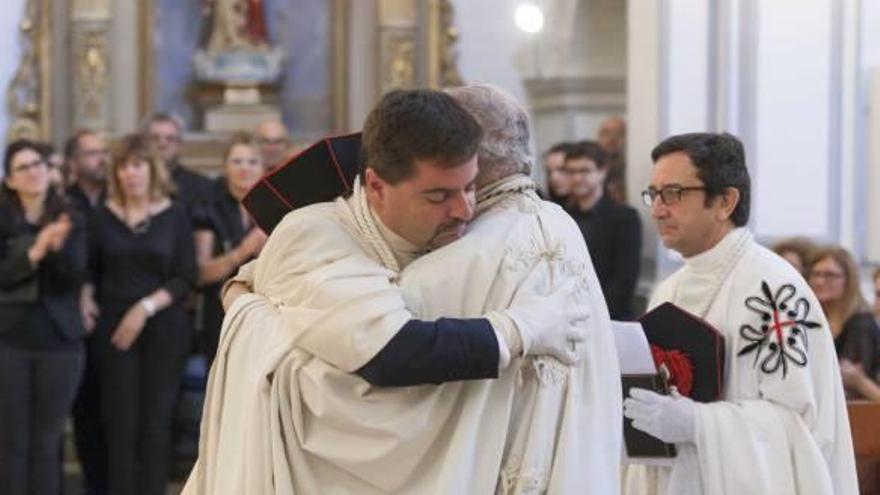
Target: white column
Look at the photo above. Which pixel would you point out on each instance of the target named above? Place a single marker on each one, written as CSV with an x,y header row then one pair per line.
x,y
575,70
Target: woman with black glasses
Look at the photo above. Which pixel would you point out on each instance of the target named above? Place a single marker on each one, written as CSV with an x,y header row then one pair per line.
x,y
42,265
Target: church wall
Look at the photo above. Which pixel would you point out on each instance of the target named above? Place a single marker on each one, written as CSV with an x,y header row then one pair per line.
x,y
489,44
869,126
791,146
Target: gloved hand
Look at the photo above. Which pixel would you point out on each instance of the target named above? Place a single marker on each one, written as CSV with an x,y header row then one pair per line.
x,y
549,324
667,417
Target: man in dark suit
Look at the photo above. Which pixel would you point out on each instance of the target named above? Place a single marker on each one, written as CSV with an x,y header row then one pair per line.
x,y
87,156
164,133
613,231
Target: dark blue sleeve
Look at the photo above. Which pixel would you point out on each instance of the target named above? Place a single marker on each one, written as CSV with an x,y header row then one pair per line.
x,y
434,352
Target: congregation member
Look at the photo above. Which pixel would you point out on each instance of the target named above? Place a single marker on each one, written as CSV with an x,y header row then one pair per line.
x,y
781,425
142,264
834,277
164,135
612,139
557,179
42,266
87,156
796,250
274,140
233,237
612,231
419,196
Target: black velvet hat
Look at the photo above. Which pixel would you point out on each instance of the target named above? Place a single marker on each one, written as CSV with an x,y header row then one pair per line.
x,y
690,351
322,172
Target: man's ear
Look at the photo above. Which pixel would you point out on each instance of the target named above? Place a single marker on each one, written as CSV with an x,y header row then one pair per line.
x,y
374,185
729,199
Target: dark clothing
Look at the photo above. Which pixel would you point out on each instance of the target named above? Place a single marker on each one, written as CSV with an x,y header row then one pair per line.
x,y
140,386
613,233
194,192
226,224
36,391
859,342
88,424
129,266
81,201
53,320
444,350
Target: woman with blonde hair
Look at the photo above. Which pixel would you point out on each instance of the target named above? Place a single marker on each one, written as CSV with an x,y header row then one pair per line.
x,y
143,266
232,238
834,277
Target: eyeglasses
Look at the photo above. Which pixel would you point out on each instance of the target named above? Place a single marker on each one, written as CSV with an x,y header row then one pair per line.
x,y
669,195
94,153
24,167
829,275
168,138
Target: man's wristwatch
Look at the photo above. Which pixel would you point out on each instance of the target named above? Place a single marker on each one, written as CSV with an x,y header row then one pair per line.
x,y
149,306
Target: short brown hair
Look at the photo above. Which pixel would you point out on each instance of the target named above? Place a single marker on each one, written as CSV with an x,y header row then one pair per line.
x,y
853,301
801,246
133,146
416,124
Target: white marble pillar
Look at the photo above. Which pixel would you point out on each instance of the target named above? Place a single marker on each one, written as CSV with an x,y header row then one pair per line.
x,y
782,75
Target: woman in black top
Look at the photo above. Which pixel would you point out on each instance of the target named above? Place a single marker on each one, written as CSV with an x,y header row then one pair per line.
x,y
143,264
233,237
834,277
42,265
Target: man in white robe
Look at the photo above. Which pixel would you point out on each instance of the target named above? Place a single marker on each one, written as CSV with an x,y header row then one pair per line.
x,y
284,413
782,425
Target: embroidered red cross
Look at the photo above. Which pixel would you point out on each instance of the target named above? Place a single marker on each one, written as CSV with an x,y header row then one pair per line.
x,y
778,326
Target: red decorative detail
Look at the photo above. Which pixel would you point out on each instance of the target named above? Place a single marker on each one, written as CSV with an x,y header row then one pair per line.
x,y
681,370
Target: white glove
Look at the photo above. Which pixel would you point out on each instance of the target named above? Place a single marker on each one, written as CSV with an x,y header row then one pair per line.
x,y
667,417
549,324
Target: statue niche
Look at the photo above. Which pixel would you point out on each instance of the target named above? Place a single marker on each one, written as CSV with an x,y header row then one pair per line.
x,y
238,68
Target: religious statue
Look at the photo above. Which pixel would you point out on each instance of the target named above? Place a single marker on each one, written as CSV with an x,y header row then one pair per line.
x,y
239,63
236,25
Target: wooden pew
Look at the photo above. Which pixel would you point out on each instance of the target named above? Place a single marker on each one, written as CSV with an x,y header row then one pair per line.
x,y
864,422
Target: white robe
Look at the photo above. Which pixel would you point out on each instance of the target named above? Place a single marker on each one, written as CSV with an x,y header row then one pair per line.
x,y
782,425
284,414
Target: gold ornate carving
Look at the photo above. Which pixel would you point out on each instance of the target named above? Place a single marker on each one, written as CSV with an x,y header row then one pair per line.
x,y
339,61
449,74
24,97
442,36
91,75
401,66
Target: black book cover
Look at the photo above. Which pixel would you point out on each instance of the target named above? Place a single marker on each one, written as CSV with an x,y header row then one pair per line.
x,y
638,443
689,354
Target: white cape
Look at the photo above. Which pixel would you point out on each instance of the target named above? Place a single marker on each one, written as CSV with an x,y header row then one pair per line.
x,y
782,426
284,414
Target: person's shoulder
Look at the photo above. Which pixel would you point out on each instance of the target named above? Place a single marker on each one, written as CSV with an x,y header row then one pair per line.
x,y
759,261
312,223
863,322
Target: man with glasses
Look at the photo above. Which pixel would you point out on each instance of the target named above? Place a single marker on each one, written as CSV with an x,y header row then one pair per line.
x,y
613,231
164,133
274,142
781,425
88,158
